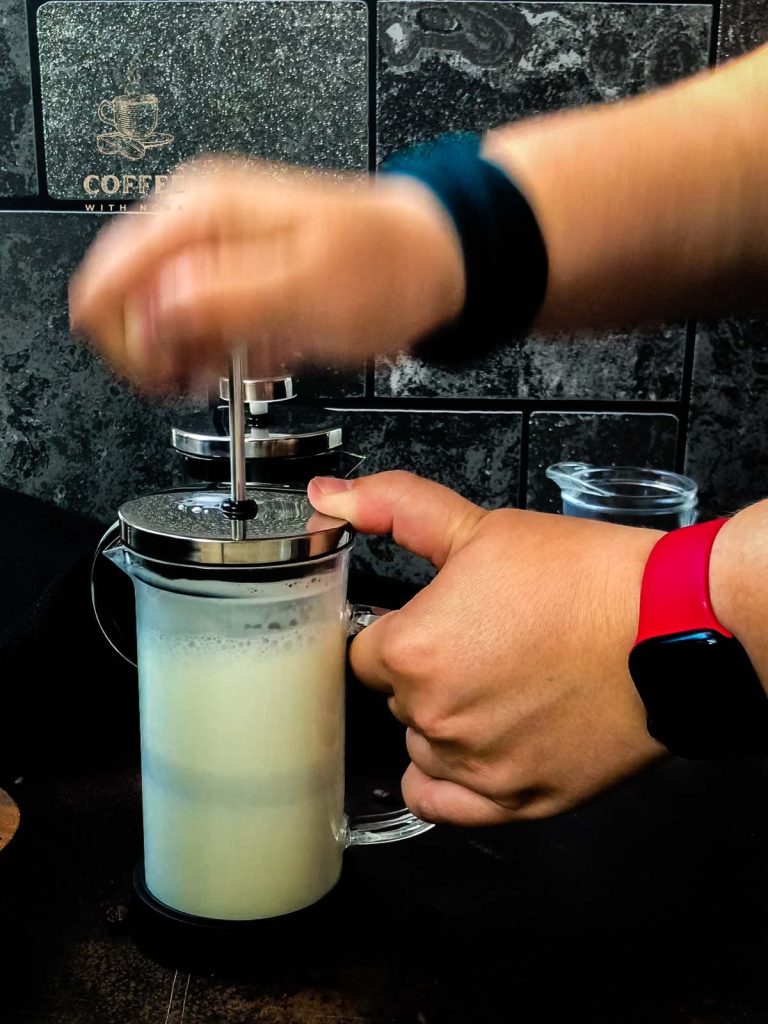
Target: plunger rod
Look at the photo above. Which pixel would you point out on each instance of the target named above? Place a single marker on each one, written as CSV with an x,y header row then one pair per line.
x,y
237,426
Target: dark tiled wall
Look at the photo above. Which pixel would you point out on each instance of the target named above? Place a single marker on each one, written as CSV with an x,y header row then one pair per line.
x,y
18,172
464,66
628,366
71,432
340,84
728,421
476,453
607,436
467,66
743,26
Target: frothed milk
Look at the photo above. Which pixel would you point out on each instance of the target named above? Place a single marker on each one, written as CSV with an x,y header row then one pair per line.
x,y
242,731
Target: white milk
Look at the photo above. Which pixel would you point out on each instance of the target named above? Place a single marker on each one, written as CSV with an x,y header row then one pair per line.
x,y
242,751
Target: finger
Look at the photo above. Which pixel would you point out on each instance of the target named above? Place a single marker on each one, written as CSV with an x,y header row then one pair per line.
x,y
206,296
436,760
443,802
422,516
128,250
200,301
365,660
451,761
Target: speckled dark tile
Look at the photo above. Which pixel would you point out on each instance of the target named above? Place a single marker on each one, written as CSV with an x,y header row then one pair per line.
x,y
728,427
130,89
316,383
629,366
743,26
477,454
18,167
601,439
72,433
471,66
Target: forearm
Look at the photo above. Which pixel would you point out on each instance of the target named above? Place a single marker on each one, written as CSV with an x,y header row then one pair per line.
x,y
654,208
739,582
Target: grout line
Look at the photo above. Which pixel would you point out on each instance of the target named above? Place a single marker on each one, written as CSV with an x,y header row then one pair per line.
x,y
407,407
686,388
42,199
369,379
522,479
373,77
468,406
714,32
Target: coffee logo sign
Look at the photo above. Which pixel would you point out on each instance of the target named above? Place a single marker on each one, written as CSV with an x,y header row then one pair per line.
x,y
132,119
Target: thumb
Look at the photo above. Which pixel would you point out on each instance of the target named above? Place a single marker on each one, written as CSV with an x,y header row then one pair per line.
x,y
422,516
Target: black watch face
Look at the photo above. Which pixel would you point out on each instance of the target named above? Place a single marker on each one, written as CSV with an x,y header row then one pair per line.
x,y
702,696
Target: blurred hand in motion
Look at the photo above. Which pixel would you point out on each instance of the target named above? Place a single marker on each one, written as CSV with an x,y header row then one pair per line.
x,y
510,668
302,267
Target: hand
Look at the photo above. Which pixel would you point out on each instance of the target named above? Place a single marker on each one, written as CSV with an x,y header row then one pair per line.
x,y
510,668
307,267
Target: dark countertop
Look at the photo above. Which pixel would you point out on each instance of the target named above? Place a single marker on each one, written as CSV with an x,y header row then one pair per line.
x,y
647,906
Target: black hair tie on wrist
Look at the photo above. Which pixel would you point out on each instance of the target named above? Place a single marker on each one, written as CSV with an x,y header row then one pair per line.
x,y
505,258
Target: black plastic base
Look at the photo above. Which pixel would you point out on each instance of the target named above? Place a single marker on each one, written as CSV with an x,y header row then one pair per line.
x,y
251,949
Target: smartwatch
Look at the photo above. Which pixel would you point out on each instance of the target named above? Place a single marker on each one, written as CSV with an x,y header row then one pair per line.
x,y
702,695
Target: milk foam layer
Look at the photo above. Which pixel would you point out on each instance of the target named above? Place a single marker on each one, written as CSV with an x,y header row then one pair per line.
x,y
242,722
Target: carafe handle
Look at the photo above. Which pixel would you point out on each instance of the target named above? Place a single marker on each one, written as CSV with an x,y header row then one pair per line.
x,y
117,624
392,826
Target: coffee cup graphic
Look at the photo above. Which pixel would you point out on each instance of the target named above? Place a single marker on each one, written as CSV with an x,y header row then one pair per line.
x,y
134,117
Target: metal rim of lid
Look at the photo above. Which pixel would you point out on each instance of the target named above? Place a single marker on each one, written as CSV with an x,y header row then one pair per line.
x,y
263,390
332,536
273,446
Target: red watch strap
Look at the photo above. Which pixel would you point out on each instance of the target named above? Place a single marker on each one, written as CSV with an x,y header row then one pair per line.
x,y
675,591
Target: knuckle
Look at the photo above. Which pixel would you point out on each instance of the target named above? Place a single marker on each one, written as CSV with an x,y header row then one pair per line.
x,y
399,478
505,516
534,804
432,723
398,709
406,653
497,523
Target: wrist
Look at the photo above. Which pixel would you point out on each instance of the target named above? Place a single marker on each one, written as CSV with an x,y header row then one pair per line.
x,y
623,559
503,254
630,568
431,255
738,581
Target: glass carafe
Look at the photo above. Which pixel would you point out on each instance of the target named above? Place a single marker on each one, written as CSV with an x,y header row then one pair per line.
x,y
241,645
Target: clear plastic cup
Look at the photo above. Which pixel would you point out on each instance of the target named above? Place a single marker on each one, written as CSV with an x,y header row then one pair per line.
x,y
628,495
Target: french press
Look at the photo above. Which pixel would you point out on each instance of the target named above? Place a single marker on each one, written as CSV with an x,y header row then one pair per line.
x,y
242,625
284,444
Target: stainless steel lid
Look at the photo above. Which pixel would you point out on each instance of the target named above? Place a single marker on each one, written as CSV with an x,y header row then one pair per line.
x,y
260,390
259,444
191,527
